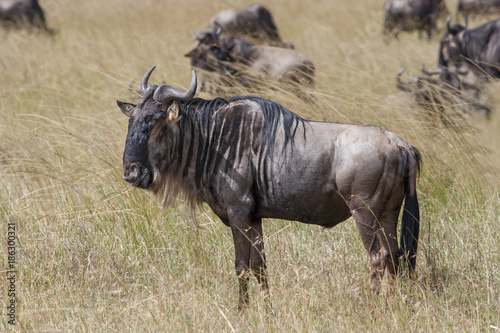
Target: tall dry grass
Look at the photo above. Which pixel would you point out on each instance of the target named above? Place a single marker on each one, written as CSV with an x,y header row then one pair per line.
x,y
94,254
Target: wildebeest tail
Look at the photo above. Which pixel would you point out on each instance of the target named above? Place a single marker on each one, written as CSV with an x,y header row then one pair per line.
x,y
411,214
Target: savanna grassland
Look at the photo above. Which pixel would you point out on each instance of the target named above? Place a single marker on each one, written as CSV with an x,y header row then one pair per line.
x,y
94,254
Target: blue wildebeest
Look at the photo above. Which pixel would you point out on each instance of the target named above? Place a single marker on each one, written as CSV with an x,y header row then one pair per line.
x,y
23,14
409,15
470,7
477,49
255,23
250,159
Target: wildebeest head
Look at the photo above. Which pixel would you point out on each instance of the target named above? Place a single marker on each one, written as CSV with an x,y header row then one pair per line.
x,y
450,50
211,62
208,55
210,58
440,88
158,107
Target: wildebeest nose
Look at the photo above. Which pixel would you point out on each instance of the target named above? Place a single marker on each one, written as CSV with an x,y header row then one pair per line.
x,y
131,172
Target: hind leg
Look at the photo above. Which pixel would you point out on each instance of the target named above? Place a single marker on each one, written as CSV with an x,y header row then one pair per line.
x,y
378,233
369,230
387,236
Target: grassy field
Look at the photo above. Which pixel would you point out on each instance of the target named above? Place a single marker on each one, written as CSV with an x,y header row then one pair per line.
x,y
94,254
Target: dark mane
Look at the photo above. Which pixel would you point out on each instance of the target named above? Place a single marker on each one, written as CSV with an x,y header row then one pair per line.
x,y
274,114
477,39
202,106
200,119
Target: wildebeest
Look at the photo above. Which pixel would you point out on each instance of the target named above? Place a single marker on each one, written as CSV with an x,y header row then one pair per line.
x,y
409,15
254,23
249,158
470,7
436,90
23,14
477,49
250,65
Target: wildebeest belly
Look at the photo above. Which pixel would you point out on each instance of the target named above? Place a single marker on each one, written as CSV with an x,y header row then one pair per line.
x,y
328,209
303,190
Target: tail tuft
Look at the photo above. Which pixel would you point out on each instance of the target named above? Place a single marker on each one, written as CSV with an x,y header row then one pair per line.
x,y
410,232
411,214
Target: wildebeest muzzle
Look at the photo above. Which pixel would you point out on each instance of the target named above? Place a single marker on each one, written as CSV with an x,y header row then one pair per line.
x,y
137,175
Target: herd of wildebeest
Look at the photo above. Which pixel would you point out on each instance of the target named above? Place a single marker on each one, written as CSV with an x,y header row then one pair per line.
x,y
243,48
249,158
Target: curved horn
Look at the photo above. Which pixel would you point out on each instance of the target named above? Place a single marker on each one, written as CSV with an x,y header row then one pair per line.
x,y
448,20
165,93
410,81
145,79
398,77
399,74
440,70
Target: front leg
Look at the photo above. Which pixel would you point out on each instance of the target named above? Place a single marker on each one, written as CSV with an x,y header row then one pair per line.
x,y
242,247
258,259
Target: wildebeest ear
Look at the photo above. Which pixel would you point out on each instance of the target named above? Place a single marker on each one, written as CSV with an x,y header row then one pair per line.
x,y
173,112
127,108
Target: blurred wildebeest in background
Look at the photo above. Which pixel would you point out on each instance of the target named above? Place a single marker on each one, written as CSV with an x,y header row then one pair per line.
x,y
261,61
434,90
409,15
254,23
249,65
26,14
470,7
249,159
477,49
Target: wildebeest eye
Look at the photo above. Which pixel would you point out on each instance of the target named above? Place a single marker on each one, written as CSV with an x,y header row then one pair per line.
x,y
148,119
220,54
